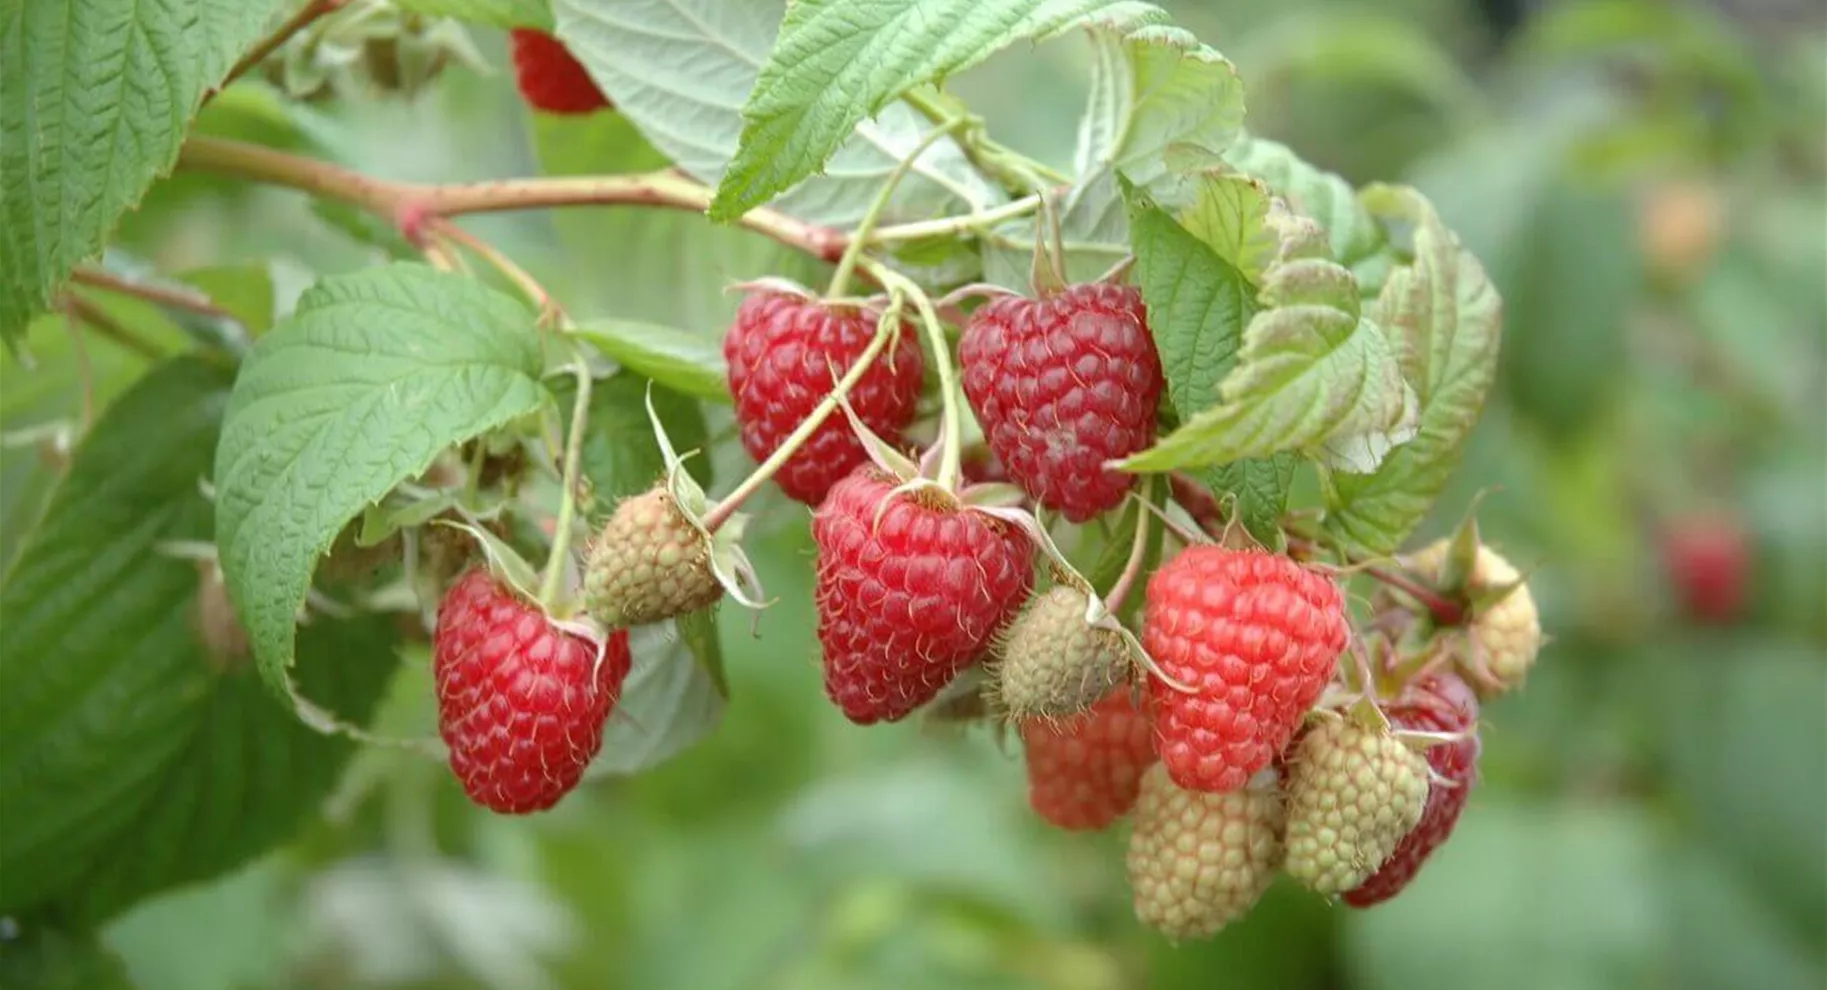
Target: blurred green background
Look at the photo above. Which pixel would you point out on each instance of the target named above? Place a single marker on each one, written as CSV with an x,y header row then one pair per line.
x,y
1645,183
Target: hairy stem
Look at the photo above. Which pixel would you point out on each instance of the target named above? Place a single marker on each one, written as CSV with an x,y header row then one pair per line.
x,y
567,500
885,330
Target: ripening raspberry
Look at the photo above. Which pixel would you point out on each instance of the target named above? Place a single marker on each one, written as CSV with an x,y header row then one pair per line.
x,y
1256,636
1199,861
521,703
1085,770
1442,703
1062,385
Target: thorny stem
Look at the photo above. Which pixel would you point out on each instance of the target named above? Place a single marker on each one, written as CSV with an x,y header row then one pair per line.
x,y
885,330
840,280
1138,553
951,425
388,197
567,500
271,43
111,329
85,373
174,298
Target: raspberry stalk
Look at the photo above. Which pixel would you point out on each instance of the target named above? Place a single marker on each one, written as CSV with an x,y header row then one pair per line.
x,y
567,501
951,427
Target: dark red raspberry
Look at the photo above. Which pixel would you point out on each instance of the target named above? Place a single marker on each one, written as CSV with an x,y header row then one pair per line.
x,y
785,352
1084,771
1257,636
908,593
1708,561
1442,703
549,77
1062,385
517,703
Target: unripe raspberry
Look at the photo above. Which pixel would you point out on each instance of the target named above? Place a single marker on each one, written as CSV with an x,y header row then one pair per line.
x,y
1441,703
1256,637
225,641
1054,663
1353,793
649,564
1506,634
1063,385
1084,771
1199,861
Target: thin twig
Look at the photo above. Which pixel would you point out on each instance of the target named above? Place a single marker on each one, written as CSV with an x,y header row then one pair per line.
x,y
194,302
112,329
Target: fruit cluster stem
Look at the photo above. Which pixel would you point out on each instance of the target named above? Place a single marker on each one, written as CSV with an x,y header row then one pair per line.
x,y
951,425
567,501
1138,553
840,280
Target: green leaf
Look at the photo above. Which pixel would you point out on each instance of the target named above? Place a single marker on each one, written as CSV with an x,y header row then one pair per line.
x,y
1151,90
374,374
621,456
48,959
685,362
494,13
1313,374
1198,304
838,62
132,762
1358,241
680,70
1446,319
94,101
1229,214
674,696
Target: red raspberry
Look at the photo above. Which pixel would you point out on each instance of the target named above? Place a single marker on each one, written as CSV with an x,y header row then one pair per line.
x,y
1062,385
1708,560
1084,771
1257,636
783,351
550,77
1442,703
517,704
909,593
